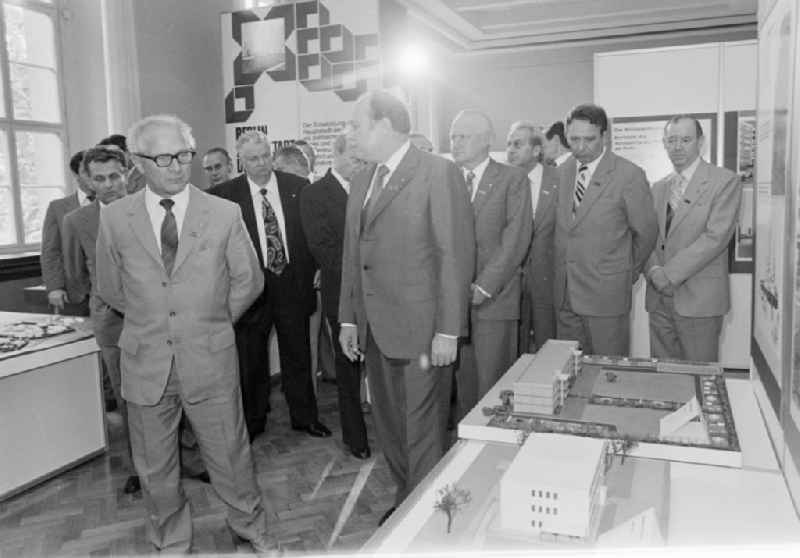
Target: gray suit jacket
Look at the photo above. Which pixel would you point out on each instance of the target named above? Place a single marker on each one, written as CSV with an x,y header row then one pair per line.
x,y
538,267
187,316
694,254
51,257
79,246
503,224
601,251
407,273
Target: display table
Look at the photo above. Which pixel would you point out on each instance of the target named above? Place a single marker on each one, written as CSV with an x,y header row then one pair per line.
x,y
695,504
51,405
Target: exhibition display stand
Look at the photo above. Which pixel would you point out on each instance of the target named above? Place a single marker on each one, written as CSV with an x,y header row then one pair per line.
x,y
51,406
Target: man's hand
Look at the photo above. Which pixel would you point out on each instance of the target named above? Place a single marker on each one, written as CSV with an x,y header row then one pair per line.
x,y
660,281
478,296
348,339
443,350
57,299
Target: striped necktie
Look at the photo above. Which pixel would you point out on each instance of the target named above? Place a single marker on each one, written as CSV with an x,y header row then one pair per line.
x,y
580,187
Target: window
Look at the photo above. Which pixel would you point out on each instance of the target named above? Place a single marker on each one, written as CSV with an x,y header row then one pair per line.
x,y
31,121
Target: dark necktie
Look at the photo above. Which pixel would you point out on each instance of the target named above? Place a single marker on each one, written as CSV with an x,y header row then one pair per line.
x,y
169,235
275,258
470,179
377,188
580,187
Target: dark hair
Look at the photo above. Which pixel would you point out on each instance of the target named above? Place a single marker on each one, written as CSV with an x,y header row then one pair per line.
x,y
103,154
594,114
697,127
293,155
557,129
220,150
75,162
383,104
115,139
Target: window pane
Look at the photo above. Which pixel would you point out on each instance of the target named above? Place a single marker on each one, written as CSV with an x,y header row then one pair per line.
x,y
5,172
8,234
34,92
29,36
41,159
34,207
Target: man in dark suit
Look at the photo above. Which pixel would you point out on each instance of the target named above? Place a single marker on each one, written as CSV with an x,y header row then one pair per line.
x,y
323,205
409,256
270,204
606,228
51,256
179,265
501,202
537,315
555,147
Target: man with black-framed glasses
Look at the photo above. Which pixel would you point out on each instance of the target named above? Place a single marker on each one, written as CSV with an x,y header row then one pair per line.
x,y
179,265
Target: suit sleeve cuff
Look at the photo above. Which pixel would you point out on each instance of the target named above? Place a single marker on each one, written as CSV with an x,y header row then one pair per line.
x,y
482,290
345,324
446,336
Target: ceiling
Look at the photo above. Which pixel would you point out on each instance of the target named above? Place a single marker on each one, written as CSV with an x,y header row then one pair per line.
x,y
475,25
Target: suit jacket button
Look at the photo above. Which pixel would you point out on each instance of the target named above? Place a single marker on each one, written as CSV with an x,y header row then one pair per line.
x,y
169,342
172,314
662,246
163,283
366,268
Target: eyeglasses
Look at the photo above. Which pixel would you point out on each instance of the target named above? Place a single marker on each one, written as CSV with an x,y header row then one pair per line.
x,y
672,141
165,159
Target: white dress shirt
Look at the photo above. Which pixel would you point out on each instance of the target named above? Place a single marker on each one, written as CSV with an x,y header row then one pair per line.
x,y
83,199
274,199
345,183
157,212
591,168
535,177
391,163
561,159
478,172
687,174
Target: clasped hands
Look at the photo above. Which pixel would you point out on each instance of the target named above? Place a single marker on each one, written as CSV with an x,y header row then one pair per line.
x,y
443,348
658,278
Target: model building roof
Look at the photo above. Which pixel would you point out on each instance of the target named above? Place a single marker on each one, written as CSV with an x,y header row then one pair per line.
x,y
558,461
548,362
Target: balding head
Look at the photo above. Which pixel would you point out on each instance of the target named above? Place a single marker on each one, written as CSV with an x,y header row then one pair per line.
x,y
471,136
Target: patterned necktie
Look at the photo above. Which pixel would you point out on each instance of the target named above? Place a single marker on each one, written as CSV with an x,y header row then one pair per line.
x,y
470,178
169,235
580,187
275,258
675,196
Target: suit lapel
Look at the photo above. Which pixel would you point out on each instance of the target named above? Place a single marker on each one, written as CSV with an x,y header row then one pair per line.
x,y
288,204
194,223
565,191
485,187
694,191
240,193
546,191
91,221
400,177
600,179
142,228
660,198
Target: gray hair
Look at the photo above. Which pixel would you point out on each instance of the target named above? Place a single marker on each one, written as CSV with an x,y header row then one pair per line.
x,y
251,136
479,114
535,136
138,131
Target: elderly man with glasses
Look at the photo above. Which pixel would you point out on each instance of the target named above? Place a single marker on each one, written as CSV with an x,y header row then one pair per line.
x,y
179,265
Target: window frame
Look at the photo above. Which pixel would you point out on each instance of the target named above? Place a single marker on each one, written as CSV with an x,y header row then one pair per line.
x,y
12,125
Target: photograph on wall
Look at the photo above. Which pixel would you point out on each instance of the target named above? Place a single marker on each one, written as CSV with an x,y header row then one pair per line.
x,y
640,139
294,70
776,56
740,157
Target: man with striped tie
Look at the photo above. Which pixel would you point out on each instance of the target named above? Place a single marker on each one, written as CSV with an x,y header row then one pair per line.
x,y
606,228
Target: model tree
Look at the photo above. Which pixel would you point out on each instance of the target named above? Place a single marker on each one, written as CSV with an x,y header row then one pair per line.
x,y
451,500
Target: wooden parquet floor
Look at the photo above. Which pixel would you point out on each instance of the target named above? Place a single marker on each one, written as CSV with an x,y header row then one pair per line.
x,y
305,483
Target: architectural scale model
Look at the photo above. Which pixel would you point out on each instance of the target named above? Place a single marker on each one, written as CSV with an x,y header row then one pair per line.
x,y
15,336
671,410
555,485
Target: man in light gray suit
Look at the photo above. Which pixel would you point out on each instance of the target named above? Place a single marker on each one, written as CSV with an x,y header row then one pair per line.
x,y
606,228
501,202
179,264
408,258
687,274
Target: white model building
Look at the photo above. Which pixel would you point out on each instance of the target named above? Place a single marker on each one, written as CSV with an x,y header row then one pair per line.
x,y
542,388
556,484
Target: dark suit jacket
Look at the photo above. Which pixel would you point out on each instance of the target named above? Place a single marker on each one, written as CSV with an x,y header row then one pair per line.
x,y
289,187
407,273
51,257
538,268
323,206
503,224
600,251
79,242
